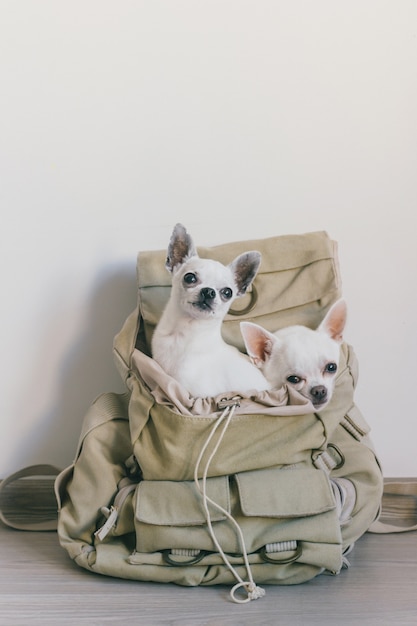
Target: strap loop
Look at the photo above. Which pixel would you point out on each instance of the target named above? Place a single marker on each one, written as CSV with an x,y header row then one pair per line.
x,y
193,560
265,551
249,307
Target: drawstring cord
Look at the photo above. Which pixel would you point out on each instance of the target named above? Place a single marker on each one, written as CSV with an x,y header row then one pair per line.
x,y
253,591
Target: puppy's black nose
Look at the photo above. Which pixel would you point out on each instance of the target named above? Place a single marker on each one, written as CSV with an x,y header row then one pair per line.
x,y
207,293
319,393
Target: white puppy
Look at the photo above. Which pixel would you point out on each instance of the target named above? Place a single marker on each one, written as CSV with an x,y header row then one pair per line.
x,y
298,356
187,341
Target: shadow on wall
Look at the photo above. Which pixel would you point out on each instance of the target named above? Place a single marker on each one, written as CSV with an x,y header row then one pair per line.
x,y
87,370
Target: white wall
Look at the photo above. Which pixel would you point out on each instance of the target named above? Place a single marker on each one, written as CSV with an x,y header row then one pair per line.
x,y
240,118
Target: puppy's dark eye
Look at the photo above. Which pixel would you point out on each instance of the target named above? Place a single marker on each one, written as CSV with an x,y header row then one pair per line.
x,y
294,380
331,368
190,278
226,293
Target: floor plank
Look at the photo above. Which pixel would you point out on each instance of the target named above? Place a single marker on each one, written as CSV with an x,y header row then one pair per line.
x,y
41,586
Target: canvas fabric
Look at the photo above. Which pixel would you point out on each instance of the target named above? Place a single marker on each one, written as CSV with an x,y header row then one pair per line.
x,y
156,468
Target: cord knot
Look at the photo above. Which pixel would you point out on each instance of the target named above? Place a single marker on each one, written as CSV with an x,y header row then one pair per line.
x,y
254,592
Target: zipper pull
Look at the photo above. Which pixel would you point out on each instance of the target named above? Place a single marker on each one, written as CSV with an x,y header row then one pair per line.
x,y
113,513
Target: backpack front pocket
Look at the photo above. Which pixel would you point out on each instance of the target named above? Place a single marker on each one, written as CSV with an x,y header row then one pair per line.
x,y
282,516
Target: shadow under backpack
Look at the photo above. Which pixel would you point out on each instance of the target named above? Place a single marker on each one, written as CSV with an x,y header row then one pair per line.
x,y
225,490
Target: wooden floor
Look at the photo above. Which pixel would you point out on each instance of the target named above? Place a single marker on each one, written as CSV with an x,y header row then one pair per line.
x,y
41,586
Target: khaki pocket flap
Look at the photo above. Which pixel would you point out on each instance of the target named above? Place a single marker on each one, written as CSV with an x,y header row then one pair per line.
x,y
169,503
284,493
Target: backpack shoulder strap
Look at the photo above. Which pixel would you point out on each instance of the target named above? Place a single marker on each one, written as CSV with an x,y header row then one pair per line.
x,y
398,507
34,507
27,499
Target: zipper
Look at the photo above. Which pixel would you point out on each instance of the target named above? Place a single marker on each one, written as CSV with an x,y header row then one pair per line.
x,y
112,513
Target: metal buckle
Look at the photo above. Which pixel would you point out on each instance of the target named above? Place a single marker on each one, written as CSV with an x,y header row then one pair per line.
x,y
328,460
339,454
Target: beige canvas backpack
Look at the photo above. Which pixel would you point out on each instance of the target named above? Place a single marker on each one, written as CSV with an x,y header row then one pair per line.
x,y
223,490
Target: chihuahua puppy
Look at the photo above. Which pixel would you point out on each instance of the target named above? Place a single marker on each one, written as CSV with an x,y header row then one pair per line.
x,y
305,359
187,341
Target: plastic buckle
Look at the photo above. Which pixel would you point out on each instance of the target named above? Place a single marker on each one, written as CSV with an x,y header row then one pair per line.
x,y
228,402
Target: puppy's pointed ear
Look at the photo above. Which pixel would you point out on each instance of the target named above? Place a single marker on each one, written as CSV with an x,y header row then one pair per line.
x,y
180,249
244,269
335,321
258,342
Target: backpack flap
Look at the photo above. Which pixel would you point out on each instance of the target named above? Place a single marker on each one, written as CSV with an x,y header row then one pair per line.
x,y
169,514
297,282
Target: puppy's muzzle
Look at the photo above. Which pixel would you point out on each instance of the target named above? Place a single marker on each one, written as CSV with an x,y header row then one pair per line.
x,y
206,298
318,394
207,294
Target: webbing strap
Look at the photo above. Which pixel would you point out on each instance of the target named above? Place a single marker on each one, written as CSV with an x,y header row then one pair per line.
x,y
329,459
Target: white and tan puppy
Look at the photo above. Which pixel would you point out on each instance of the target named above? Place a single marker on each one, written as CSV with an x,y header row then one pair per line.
x,y
305,359
187,342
